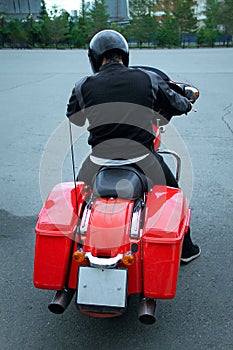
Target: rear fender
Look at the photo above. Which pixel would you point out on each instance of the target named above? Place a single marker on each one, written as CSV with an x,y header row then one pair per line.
x,y
108,235
108,231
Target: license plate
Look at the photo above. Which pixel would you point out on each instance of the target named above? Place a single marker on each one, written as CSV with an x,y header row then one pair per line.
x,y
102,287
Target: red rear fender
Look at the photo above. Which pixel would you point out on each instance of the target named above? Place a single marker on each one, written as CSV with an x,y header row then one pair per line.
x,y
109,226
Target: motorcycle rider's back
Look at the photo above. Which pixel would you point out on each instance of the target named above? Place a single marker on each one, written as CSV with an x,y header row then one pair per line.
x,y
120,104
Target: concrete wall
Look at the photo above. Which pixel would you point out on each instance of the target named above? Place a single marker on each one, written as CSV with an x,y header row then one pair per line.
x,y
20,8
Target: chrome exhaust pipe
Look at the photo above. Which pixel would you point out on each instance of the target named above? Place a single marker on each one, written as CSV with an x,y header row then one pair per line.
x,y
146,310
61,300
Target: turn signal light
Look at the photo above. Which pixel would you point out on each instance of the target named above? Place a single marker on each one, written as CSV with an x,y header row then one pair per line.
x,y
79,256
128,259
197,94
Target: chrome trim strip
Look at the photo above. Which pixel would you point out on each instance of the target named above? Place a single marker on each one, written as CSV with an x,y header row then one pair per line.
x,y
112,162
85,220
135,222
105,263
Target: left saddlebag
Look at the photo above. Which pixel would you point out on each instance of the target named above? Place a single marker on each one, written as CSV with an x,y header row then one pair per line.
x,y
55,231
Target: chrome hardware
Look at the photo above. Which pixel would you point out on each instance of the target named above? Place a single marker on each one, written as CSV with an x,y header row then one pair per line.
x,y
135,223
178,161
162,129
61,300
146,310
103,263
85,219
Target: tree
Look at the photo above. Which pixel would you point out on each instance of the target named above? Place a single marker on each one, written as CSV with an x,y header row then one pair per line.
x,y
200,36
168,32
176,20
59,26
4,32
80,31
143,24
225,18
43,11
18,36
211,30
186,19
32,29
44,26
98,17
143,30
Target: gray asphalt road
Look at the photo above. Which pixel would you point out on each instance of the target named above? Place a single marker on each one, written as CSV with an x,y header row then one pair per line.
x,y
34,89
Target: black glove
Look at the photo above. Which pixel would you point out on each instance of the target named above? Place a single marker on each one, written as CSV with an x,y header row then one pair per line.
x,y
190,94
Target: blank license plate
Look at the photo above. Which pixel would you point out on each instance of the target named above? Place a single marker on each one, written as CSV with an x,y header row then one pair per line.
x,y
105,287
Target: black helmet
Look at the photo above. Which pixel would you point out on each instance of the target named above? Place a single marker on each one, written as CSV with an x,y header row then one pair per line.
x,y
104,41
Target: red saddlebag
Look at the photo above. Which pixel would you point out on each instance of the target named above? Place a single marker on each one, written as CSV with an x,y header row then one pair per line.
x,y
54,234
166,222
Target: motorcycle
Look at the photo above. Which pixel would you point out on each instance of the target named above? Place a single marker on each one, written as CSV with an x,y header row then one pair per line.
x,y
113,240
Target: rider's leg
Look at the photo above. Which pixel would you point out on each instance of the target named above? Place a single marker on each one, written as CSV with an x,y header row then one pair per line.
x,y
154,167
157,170
190,251
87,171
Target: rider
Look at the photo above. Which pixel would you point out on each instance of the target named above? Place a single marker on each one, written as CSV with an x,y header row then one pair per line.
x,y
120,104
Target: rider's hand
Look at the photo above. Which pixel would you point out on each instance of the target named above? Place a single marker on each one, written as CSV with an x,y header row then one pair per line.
x,y
190,95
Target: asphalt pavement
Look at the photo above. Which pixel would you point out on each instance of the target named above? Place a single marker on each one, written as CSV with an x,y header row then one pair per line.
x,y
34,90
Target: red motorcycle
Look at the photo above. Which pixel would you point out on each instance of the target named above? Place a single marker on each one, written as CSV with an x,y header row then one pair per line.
x,y
103,247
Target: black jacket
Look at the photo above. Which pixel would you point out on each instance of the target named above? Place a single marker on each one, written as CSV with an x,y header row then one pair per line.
x,y
120,104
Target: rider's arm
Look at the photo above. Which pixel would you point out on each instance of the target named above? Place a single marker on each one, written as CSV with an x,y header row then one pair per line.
x,y
75,106
170,102
166,101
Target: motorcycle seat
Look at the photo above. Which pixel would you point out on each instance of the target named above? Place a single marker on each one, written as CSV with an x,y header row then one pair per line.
x,y
120,182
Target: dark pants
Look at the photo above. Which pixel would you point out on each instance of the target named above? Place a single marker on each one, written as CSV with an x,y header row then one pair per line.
x,y
153,166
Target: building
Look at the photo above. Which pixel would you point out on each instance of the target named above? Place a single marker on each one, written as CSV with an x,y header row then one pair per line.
x,y
118,11
20,8
200,9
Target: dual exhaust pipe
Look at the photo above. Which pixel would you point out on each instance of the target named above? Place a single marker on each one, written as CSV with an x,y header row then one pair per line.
x,y
61,300
146,310
146,307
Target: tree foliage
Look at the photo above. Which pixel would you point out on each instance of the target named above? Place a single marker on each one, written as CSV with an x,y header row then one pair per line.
x,y
218,23
186,18
98,17
153,23
225,19
58,26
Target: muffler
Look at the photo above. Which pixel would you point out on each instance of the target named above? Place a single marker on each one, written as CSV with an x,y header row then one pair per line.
x,y
61,300
146,310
